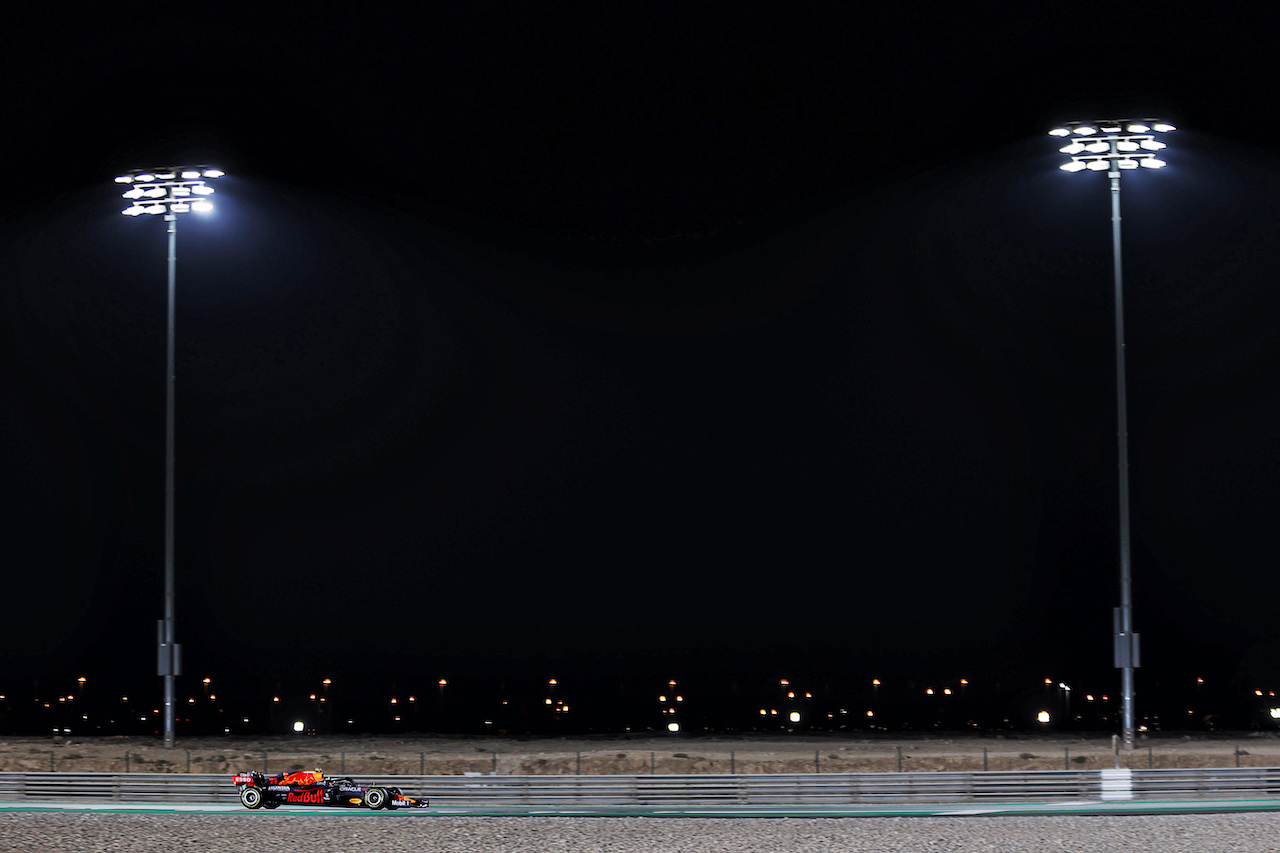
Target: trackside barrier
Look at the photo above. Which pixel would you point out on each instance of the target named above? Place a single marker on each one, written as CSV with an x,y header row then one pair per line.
x,y
482,791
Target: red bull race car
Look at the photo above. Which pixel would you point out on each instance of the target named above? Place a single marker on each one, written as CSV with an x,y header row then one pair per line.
x,y
311,788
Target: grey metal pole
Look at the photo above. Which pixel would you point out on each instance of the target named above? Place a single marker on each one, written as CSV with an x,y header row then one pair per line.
x,y
169,665
1126,645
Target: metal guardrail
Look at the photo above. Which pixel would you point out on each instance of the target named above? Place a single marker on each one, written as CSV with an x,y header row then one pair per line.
x,y
486,791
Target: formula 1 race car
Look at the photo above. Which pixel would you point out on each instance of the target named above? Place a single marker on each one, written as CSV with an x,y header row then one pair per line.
x,y
310,787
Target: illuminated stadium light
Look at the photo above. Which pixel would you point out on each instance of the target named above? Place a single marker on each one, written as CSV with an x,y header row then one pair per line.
x,y
1111,144
1042,717
170,187
168,190
1124,145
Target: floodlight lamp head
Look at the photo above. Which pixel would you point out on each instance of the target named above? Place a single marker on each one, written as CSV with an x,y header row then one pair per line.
x,y
170,188
1057,131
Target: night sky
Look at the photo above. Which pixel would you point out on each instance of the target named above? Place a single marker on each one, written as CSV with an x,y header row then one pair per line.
x,y
534,337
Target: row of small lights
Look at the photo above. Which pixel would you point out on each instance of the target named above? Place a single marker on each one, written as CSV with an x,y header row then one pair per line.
x,y
560,706
1126,144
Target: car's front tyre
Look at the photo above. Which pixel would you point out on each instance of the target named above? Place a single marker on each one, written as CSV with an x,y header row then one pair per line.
x,y
251,798
375,798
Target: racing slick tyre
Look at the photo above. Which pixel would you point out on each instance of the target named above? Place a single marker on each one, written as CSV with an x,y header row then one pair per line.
x,y
251,798
375,798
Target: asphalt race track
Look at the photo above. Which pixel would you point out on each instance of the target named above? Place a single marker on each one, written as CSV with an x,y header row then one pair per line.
x,y
1246,827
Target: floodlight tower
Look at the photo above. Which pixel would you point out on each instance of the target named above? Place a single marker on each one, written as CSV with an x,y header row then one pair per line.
x,y
169,191
1113,146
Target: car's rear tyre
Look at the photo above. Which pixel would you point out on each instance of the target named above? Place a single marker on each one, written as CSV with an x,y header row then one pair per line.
x,y
375,798
251,798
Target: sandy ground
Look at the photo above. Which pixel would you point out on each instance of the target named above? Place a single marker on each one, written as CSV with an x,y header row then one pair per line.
x,y
627,755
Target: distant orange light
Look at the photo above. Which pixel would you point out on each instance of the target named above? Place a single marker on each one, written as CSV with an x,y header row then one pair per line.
x,y
81,679
443,682
784,682
875,682
947,691
929,691
206,681
553,682
1048,681
548,701
327,682
964,681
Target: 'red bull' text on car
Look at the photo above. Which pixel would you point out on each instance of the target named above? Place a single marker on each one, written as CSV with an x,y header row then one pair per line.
x,y
311,788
